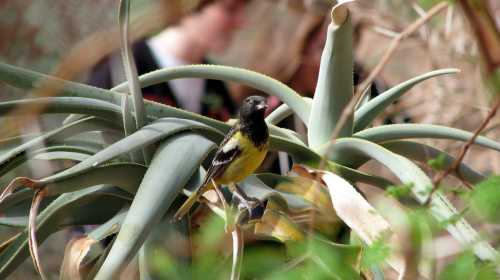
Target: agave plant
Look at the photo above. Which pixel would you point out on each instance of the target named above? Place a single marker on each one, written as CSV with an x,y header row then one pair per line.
x,y
129,187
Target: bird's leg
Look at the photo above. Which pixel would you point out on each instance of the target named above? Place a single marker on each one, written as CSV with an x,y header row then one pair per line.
x,y
244,200
224,206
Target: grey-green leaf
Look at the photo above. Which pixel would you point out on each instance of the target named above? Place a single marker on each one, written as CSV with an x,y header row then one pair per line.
x,y
369,111
334,88
391,132
175,161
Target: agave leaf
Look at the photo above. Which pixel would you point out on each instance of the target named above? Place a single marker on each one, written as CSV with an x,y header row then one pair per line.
x,y
129,65
423,153
369,111
126,176
233,74
90,206
27,79
86,124
30,80
284,111
77,105
162,182
146,136
65,152
385,133
334,88
409,173
62,156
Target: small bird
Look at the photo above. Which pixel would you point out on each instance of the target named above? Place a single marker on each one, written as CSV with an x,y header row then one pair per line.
x,y
239,155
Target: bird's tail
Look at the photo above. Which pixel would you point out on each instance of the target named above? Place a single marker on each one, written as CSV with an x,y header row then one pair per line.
x,y
187,205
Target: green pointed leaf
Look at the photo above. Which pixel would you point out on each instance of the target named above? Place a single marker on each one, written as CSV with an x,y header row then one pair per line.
x,y
365,115
334,89
78,105
90,206
422,153
129,65
175,161
409,173
283,112
385,133
66,131
233,74
146,136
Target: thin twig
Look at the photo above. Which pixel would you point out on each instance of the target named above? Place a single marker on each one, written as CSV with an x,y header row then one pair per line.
x,y
454,167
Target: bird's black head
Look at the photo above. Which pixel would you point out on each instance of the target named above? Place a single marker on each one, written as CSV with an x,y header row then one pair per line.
x,y
253,109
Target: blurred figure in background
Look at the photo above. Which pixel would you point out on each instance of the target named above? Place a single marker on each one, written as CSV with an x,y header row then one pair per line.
x,y
209,29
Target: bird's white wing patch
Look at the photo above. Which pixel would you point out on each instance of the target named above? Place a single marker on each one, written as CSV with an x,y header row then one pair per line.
x,y
230,145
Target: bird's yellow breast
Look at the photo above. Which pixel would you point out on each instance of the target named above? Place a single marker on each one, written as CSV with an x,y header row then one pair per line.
x,y
245,163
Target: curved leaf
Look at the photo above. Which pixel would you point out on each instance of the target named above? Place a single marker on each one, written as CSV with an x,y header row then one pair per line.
x,y
283,111
334,88
90,206
129,65
405,131
409,173
146,136
71,129
77,105
175,161
233,74
423,153
369,111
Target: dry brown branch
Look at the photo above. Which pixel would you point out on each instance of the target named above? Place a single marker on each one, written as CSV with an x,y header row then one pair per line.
x,y
454,167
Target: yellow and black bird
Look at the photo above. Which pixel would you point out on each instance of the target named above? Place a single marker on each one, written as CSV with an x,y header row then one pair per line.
x,y
239,154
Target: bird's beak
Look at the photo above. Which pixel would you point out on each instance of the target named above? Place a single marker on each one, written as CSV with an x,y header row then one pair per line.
x,y
261,106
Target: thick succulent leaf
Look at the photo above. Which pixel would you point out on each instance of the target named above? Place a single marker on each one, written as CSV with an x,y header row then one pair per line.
x,y
87,124
233,74
146,136
31,80
90,206
283,112
409,173
65,152
423,153
175,161
78,105
334,88
85,249
129,65
126,176
61,156
369,111
385,133
27,79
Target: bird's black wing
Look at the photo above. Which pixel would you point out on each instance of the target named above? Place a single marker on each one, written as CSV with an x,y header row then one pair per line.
x,y
224,155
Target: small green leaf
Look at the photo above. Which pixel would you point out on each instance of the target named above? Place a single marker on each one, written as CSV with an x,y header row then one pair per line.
x,y
376,253
400,191
438,163
485,199
463,267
